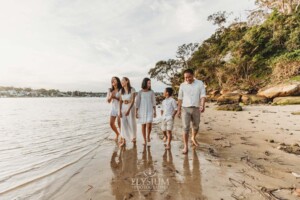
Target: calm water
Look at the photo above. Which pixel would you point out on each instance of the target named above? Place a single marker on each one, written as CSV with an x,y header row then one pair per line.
x,y
40,136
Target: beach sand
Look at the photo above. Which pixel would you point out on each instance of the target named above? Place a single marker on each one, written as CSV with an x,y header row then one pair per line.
x,y
238,158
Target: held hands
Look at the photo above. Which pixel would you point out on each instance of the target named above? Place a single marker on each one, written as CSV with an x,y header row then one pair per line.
x,y
179,114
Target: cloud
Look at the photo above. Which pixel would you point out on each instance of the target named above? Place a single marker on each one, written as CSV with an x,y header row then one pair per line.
x,y
75,44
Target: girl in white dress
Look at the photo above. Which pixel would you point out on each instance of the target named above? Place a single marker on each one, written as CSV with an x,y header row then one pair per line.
x,y
126,112
145,109
113,98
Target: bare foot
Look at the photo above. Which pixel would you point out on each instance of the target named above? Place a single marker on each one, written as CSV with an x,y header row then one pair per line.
x,y
121,140
194,141
122,144
185,151
133,140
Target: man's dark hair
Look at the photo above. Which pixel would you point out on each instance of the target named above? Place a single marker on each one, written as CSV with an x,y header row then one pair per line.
x,y
144,83
169,91
190,71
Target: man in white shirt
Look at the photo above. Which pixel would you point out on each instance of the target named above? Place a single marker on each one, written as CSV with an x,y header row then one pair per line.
x,y
191,101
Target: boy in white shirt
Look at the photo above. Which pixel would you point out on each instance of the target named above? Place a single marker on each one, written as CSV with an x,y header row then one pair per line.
x,y
168,112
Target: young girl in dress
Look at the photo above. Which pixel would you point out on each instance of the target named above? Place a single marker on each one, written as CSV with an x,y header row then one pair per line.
x,y
145,109
126,112
113,97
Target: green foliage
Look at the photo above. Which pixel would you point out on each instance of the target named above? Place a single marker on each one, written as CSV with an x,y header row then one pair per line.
x,y
244,56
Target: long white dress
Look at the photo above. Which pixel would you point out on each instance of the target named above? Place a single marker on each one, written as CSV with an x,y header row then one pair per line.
x,y
128,123
114,104
145,102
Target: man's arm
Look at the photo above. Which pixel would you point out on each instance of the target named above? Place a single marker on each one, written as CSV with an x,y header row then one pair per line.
x,y
179,108
202,104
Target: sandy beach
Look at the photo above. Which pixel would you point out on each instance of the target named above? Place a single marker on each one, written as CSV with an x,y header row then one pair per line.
x,y
238,158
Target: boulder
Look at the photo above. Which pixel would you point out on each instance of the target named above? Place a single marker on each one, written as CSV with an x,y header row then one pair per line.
x,y
229,98
213,95
286,100
253,99
230,107
282,90
224,91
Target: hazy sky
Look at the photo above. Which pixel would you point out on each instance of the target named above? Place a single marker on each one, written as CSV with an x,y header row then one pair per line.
x,y
80,44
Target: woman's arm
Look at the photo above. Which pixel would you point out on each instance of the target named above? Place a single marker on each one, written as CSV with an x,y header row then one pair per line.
x,y
120,106
132,101
108,96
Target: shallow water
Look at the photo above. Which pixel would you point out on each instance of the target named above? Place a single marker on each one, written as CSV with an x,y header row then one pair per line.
x,y
41,136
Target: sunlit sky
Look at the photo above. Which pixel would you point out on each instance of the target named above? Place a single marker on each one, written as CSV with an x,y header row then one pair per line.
x,y
80,44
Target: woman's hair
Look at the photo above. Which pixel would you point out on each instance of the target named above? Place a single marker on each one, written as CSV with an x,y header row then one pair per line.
x,y
119,86
128,86
145,83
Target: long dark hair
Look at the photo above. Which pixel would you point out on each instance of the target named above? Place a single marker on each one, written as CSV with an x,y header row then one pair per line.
x,y
119,85
128,86
144,83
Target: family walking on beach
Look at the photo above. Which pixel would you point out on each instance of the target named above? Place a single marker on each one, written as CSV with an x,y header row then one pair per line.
x,y
127,105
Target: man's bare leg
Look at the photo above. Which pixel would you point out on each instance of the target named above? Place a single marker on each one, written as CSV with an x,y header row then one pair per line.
x,y
194,141
185,142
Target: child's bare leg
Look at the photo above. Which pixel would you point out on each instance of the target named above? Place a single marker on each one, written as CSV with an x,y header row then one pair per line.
x,y
165,136
144,132
149,128
169,139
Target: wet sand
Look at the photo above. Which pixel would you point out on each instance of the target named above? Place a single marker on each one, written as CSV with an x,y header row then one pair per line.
x,y
238,158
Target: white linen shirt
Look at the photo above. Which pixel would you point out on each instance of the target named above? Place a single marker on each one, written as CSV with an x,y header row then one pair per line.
x,y
168,106
190,94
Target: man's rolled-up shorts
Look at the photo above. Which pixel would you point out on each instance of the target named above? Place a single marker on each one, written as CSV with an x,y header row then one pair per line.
x,y
190,114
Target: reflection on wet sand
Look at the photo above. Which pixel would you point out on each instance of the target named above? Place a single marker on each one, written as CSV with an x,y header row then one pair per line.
x,y
143,178
191,187
124,167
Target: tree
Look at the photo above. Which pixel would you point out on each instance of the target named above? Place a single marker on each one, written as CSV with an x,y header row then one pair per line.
x,y
184,53
283,6
164,71
219,18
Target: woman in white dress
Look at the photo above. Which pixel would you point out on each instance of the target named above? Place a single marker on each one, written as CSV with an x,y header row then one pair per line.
x,y
126,112
113,97
145,109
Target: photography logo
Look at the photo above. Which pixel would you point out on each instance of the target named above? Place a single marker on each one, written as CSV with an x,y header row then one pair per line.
x,y
149,180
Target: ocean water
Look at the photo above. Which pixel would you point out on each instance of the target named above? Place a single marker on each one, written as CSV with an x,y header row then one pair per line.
x,y
41,136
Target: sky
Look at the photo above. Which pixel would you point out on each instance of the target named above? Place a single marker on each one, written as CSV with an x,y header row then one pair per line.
x,y
79,45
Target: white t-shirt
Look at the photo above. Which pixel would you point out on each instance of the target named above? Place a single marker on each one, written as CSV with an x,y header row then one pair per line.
x,y
168,106
190,94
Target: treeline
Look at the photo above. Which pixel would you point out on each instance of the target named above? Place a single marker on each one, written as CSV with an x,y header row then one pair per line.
x,y
28,92
245,55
